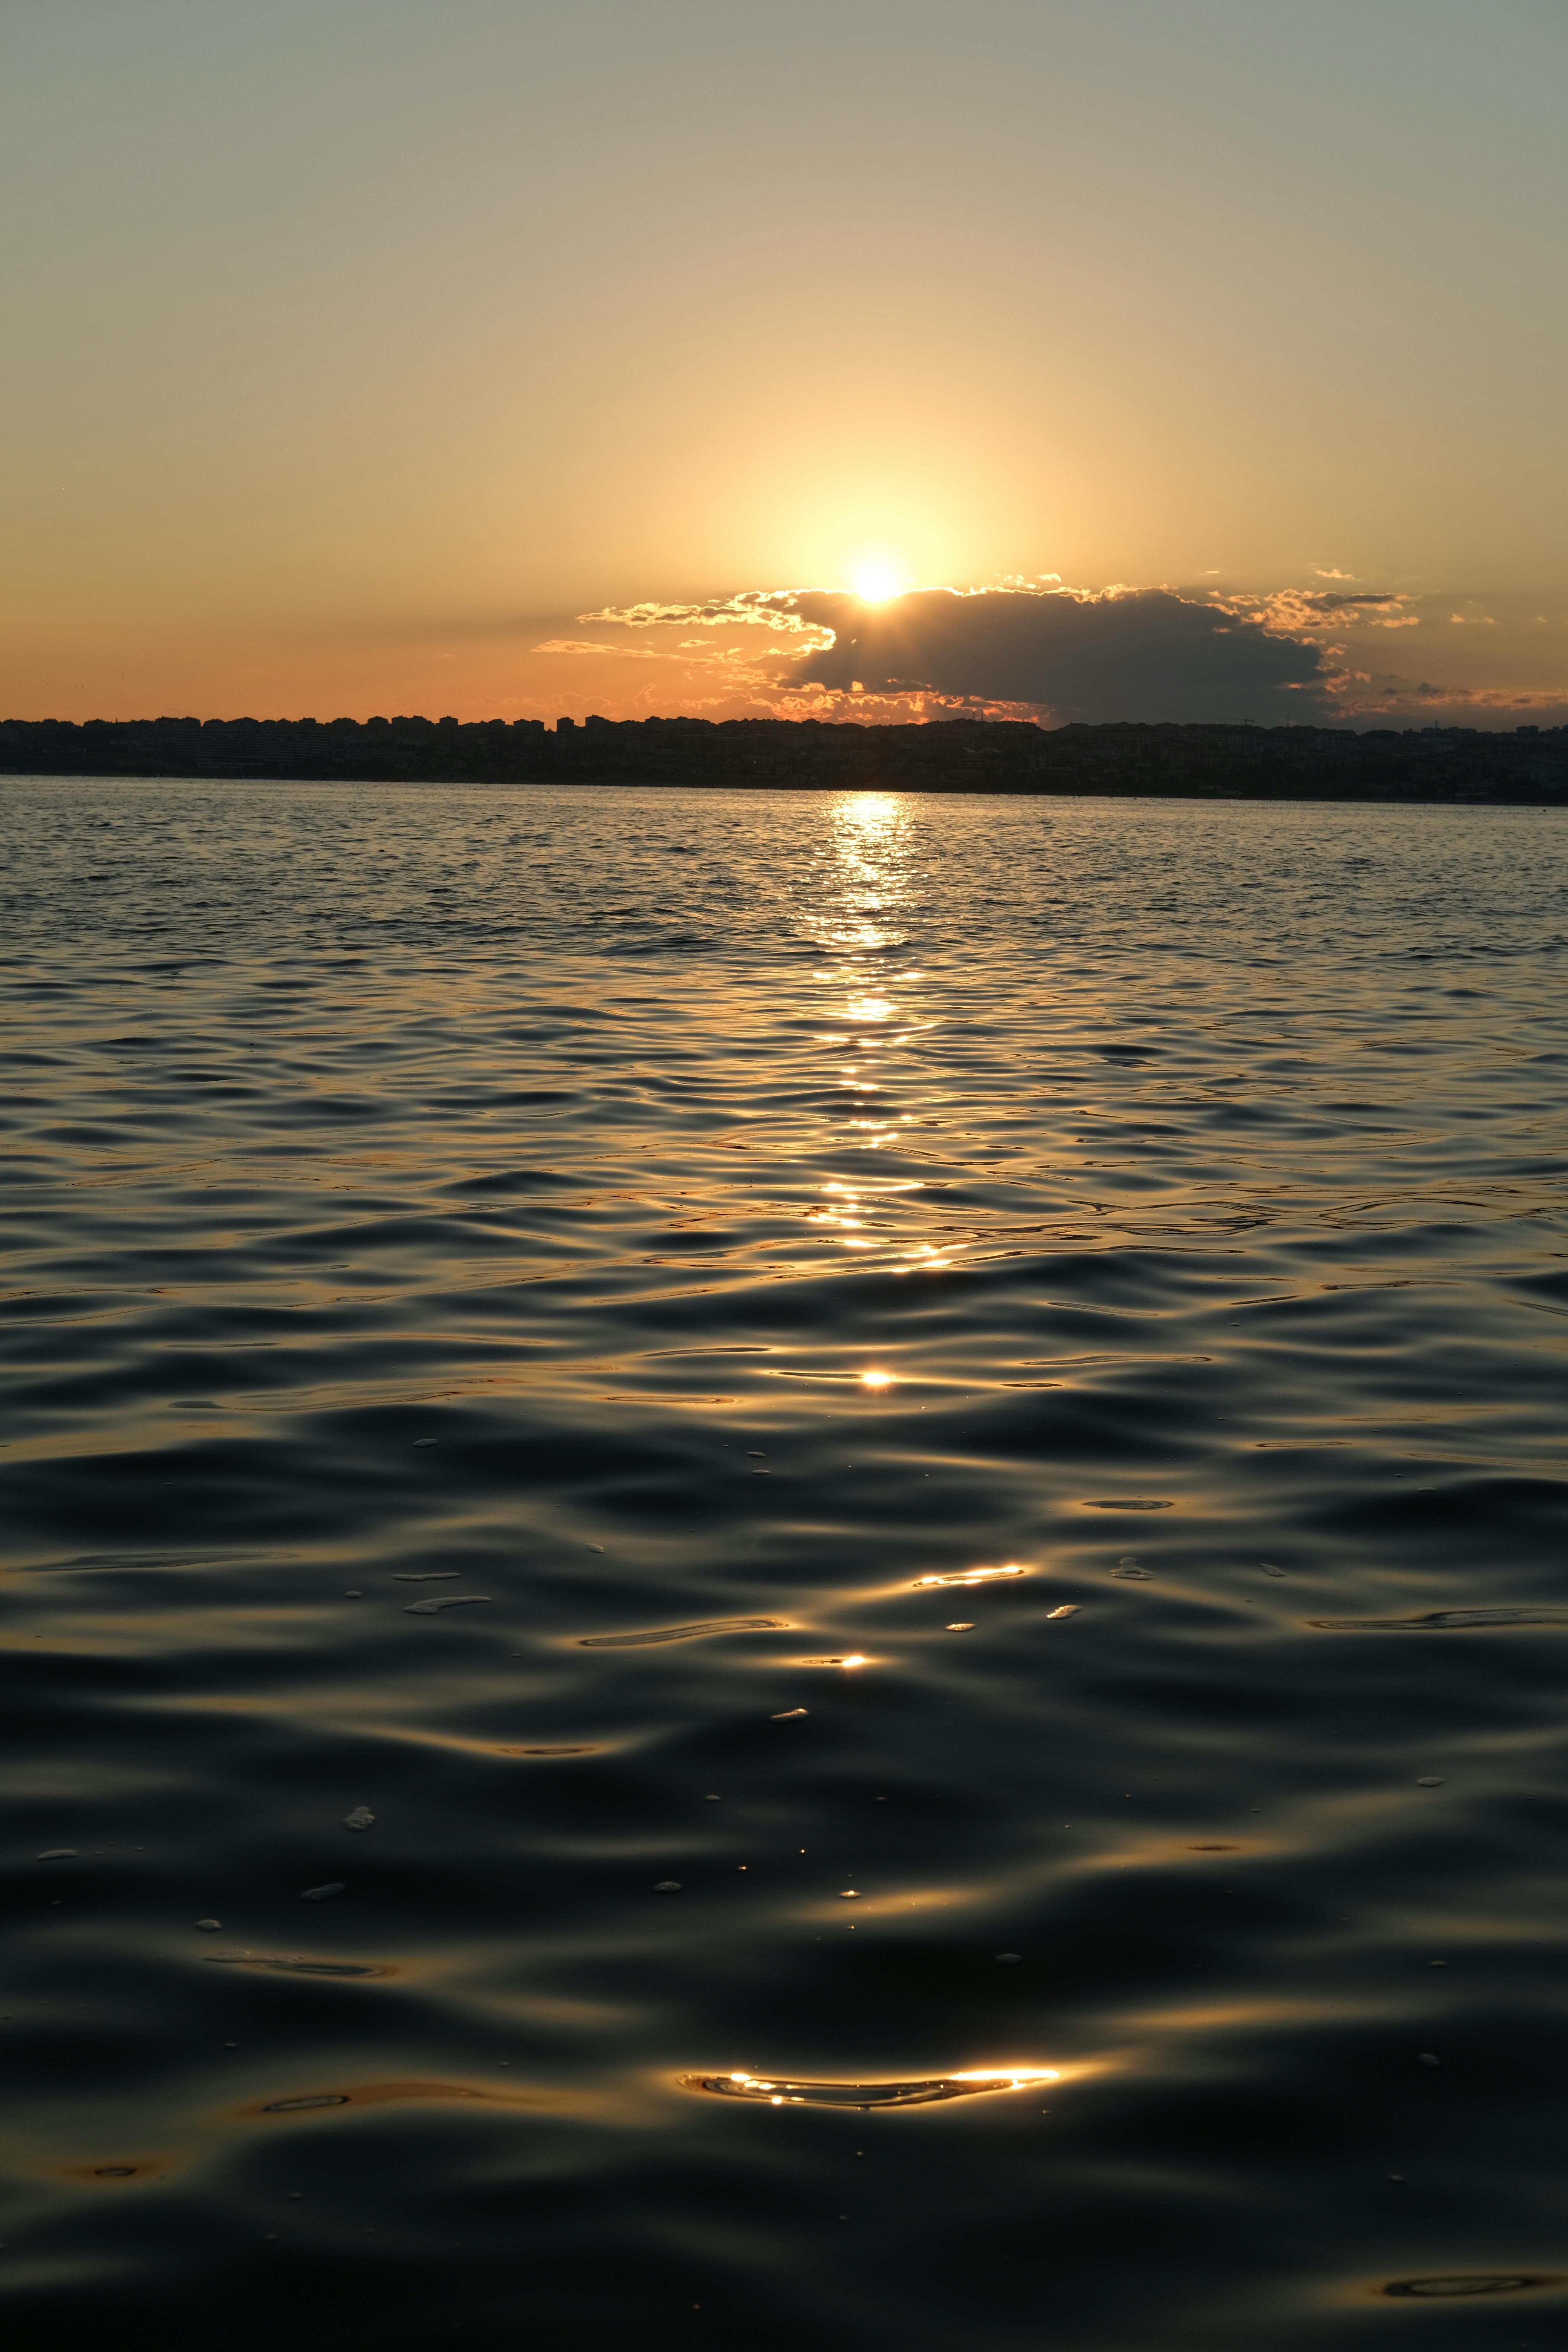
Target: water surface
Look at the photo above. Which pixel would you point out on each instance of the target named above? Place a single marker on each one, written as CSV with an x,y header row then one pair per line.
x,y
903,1446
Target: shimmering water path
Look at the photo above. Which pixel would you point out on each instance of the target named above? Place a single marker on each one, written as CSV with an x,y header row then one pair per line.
x,y
534,1324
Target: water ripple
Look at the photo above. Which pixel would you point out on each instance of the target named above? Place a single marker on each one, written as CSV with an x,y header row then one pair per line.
x,y
863,2097
886,1204
681,1632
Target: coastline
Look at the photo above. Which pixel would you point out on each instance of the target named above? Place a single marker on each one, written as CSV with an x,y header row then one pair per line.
x,y
1525,767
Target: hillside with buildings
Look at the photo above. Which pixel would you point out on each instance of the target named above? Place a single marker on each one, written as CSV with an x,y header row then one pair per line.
x,y
1527,764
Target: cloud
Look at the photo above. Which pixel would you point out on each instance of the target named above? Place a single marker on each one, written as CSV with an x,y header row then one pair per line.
x,y
1323,601
1292,609
587,646
1389,697
757,608
1476,697
1131,654
1032,648
1040,651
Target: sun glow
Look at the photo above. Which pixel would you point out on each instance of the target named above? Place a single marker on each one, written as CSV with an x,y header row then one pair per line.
x,y
876,578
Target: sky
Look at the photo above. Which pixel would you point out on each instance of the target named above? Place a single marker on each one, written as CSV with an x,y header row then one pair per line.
x,y
881,359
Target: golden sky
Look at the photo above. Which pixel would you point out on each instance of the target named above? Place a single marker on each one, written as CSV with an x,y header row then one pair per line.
x,y
503,359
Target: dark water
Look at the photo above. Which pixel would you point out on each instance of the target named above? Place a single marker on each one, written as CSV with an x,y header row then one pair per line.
x,y
506,1198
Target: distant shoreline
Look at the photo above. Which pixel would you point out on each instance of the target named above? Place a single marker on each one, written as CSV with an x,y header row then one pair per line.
x,y
1527,767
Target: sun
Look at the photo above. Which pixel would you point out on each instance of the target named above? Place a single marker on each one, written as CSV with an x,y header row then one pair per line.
x,y
876,578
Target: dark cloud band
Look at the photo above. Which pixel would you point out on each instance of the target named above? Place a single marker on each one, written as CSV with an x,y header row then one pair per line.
x,y
1145,654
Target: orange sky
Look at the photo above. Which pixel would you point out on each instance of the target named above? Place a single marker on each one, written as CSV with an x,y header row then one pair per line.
x,y
359,349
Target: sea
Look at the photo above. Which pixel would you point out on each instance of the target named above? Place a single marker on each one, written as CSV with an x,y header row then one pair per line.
x,y
781,1570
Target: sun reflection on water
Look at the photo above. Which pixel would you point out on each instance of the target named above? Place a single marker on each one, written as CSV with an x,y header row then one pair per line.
x,y
866,888
926,2091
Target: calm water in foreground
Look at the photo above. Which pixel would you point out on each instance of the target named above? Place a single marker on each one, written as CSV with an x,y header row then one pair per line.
x,y
730,1219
